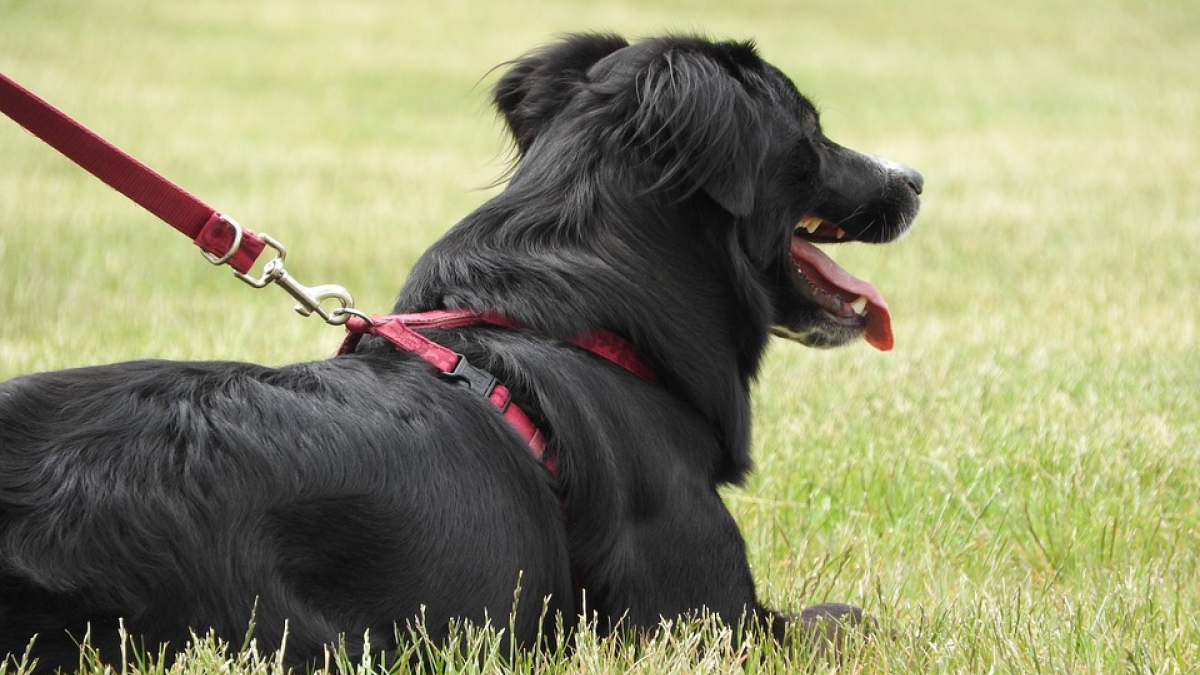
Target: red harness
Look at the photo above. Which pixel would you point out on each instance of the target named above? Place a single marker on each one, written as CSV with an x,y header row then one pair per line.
x,y
401,331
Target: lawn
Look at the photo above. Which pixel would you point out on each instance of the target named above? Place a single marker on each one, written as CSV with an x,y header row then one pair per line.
x,y
1012,490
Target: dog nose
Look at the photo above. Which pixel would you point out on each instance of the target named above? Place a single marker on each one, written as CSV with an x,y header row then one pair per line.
x,y
914,179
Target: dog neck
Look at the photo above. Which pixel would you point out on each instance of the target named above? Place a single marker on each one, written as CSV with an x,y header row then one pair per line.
x,y
702,338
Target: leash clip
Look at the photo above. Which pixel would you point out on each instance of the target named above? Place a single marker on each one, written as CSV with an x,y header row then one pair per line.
x,y
310,297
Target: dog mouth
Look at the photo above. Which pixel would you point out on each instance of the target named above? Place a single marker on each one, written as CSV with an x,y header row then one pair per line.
x,y
846,298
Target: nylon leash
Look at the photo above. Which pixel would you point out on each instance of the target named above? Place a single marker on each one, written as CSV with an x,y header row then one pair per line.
x,y
220,238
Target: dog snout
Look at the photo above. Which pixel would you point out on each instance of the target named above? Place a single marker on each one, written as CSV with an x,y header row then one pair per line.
x,y
913,178
910,176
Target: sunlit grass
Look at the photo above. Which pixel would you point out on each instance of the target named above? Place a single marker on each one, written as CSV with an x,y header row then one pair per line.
x,y
1012,490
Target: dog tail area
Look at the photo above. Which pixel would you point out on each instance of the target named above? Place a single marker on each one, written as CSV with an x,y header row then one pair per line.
x,y
47,626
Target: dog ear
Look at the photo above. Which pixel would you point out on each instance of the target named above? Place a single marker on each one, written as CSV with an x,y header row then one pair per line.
x,y
539,85
702,122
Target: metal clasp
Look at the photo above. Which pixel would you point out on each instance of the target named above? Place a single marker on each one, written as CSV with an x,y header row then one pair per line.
x,y
310,297
233,248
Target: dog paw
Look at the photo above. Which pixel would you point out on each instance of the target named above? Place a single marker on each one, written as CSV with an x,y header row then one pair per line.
x,y
830,626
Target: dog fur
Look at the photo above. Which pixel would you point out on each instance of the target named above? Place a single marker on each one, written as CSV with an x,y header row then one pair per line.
x,y
655,195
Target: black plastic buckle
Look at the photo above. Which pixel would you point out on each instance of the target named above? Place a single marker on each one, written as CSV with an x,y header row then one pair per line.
x,y
477,380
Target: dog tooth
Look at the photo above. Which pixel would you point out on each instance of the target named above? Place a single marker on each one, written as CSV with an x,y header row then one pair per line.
x,y
840,233
860,305
810,223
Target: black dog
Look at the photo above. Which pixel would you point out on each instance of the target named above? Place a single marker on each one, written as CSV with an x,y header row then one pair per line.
x,y
667,192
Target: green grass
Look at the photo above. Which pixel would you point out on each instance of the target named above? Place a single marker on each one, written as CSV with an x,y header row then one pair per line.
x,y
1013,489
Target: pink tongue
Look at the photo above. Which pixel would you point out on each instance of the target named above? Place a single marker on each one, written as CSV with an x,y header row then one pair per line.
x,y
879,320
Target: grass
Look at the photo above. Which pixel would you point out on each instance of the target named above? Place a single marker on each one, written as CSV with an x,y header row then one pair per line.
x,y
1013,489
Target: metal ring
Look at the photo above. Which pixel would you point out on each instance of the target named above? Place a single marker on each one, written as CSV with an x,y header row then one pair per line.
x,y
338,311
237,242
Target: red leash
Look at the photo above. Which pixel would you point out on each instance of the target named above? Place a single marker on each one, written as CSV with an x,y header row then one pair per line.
x,y
222,240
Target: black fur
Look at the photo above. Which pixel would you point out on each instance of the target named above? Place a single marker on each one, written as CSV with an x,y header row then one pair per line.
x,y
654,196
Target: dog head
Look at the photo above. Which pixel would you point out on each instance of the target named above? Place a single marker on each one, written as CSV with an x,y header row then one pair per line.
x,y
712,122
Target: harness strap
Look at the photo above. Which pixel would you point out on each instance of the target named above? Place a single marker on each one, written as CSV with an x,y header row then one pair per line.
x,y
401,331
219,237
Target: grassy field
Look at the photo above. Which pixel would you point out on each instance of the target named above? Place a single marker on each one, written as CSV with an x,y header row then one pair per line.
x,y
1013,489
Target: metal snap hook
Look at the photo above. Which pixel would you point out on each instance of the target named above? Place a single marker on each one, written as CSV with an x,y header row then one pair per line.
x,y
310,298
